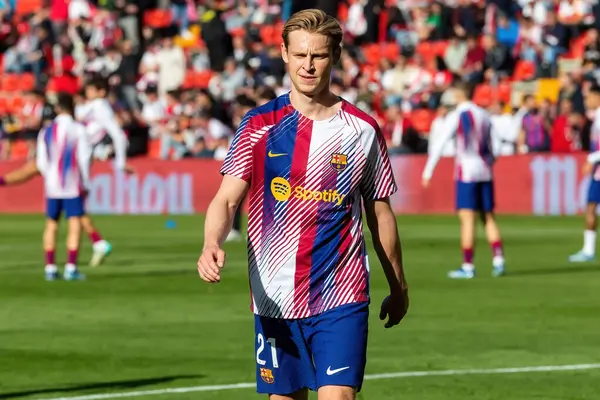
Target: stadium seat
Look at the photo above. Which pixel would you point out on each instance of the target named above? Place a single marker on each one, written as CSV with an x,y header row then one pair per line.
x,y
440,47
3,105
24,7
26,82
158,18
372,53
10,82
503,92
19,150
391,51
189,82
524,70
154,148
203,78
421,120
15,103
483,95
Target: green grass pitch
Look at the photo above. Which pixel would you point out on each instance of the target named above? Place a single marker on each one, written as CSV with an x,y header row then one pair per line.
x,y
144,320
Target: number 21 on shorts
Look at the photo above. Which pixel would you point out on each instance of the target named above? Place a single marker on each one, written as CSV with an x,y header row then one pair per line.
x,y
261,348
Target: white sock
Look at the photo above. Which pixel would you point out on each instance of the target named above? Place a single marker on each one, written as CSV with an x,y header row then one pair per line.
x,y
51,268
70,267
469,267
589,242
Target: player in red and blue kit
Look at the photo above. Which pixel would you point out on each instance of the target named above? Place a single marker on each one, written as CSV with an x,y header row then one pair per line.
x,y
309,161
592,168
470,126
62,158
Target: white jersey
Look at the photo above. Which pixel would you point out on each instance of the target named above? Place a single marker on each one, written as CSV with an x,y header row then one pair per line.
x,y
63,153
594,156
99,120
470,127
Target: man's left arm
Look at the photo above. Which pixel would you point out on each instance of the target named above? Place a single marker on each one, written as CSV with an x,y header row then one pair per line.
x,y
386,241
119,139
377,185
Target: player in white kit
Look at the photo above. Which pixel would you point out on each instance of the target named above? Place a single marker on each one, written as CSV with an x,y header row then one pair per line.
x,y
98,118
470,127
591,167
62,158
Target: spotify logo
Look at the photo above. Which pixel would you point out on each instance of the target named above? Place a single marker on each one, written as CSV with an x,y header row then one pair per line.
x,y
281,189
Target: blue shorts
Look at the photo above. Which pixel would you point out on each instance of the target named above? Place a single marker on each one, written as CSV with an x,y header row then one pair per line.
x,y
326,349
594,192
477,196
72,207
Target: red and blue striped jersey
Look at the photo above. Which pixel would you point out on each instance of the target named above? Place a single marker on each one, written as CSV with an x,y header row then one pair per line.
x,y
63,154
470,126
308,179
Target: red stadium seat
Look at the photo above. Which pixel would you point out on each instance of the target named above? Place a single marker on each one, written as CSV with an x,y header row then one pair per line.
x,y
483,95
503,92
10,82
26,82
158,18
524,70
421,120
203,78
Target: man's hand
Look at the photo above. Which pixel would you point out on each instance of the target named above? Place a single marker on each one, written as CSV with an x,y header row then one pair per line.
x,y
395,307
129,170
587,168
210,263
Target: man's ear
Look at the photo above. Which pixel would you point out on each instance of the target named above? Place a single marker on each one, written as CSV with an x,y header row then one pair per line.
x,y
284,54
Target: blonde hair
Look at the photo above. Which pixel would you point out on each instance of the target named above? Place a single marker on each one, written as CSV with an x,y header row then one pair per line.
x,y
314,21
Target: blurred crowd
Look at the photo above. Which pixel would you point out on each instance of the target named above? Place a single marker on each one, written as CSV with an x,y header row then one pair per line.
x,y
182,72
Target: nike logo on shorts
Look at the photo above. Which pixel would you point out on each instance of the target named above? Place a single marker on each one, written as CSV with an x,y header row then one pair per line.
x,y
335,371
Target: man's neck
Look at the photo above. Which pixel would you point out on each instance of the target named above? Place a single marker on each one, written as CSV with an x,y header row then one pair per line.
x,y
321,106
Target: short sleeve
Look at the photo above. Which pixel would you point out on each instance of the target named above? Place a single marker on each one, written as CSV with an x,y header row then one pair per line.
x,y
238,161
378,179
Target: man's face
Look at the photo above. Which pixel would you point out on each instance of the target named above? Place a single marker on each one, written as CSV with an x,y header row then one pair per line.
x,y
91,93
591,101
309,59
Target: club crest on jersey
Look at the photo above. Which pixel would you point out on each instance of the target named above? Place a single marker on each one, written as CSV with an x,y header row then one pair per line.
x,y
339,161
267,375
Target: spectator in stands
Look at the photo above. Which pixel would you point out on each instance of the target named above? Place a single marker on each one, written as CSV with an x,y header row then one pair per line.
x,y
171,66
472,70
591,53
507,32
553,43
455,55
533,136
498,61
504,132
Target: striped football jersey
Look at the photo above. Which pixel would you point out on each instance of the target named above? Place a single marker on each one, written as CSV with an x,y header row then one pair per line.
x,y
470,127
308,179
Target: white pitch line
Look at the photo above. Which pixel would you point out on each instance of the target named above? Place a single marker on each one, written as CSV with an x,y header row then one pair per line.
x,y
408,374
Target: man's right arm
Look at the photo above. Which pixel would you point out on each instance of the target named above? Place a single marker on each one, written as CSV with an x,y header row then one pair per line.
x,y
20,175
222,208
237,173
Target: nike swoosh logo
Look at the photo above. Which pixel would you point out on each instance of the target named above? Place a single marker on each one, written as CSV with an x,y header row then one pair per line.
x,y
335,371
271,154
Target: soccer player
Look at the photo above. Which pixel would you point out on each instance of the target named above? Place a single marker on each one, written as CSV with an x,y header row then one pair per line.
x,y
591,167
309,161
99,120
470,127
63,160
